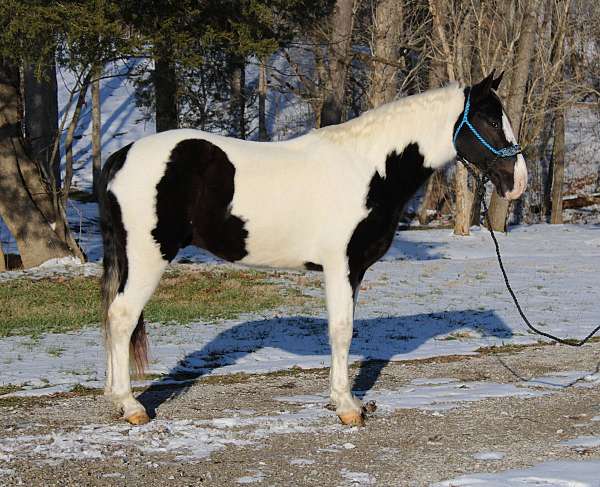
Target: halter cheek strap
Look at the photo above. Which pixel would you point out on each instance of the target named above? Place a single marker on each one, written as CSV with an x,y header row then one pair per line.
x,y
510,151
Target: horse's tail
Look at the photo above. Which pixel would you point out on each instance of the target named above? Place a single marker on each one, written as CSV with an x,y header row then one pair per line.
x,y
114,261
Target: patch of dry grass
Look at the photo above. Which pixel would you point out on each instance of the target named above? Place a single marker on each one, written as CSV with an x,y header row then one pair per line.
x,y
63,304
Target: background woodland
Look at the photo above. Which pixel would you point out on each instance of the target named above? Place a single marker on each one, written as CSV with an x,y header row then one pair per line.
x,y
271,70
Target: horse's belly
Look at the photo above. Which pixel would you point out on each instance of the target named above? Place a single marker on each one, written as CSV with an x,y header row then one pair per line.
x,y
279,246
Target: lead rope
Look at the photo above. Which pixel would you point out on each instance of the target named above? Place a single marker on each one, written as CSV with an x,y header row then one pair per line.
x,y
481,195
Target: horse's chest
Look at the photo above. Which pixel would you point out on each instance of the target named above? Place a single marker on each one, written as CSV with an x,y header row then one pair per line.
x,y
371,239
386,198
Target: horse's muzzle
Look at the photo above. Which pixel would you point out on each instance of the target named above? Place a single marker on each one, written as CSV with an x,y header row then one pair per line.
x,y
519,179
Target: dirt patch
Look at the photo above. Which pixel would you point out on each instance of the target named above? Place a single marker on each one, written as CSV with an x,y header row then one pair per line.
x,y
264,429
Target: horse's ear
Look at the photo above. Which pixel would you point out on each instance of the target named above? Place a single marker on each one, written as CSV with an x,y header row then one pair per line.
x,y
497,81
482,89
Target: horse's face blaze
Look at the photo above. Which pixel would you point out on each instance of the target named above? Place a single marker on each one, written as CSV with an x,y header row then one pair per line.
x,y
509,174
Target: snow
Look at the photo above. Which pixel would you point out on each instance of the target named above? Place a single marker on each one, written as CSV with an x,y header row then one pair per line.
x,y
575,378
189,439
434,294
194,440
583,442
122,121
566,474
65,267
352,479
489,455
254,477
435,398
60,263
301,462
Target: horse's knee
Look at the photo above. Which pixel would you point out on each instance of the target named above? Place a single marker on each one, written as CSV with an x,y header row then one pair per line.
x,y
121,318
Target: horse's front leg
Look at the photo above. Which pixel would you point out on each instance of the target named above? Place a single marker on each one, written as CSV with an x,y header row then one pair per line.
x,y
340,309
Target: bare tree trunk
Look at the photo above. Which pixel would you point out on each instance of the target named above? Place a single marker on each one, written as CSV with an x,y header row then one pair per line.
x,y
435,193
476,203
46,202
69,162
41,119
476,74
238,99
437,75
387,24
464,201
44,190
262,101
463,215
342,23
96,129
36,240
2,259
439,14
165,86
558,165
550,101
498,211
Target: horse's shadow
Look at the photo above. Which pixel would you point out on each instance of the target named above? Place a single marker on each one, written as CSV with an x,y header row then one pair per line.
x,y
376,340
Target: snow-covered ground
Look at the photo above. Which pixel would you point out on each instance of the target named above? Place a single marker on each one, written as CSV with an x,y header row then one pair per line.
x,y
434,294
567,474
197,439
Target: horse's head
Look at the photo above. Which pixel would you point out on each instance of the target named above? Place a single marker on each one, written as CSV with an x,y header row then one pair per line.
x,y
484,137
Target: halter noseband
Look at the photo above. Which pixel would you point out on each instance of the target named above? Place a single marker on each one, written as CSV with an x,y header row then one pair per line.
x,y
510,151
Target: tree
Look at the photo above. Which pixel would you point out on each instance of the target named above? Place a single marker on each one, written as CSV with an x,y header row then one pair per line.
x,y
262,100
387,22
454,58
558,166
36,238
498,210
559,27
96,129
342,22
2,259
237,106
79,36
41,116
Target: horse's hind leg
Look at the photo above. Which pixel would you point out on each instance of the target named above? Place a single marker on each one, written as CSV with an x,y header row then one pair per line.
x,y
124,315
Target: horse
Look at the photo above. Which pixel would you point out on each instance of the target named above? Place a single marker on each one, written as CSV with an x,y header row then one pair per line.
x,y
329,200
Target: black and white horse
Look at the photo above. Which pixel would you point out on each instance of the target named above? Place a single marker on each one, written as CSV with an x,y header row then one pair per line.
x,y
329,200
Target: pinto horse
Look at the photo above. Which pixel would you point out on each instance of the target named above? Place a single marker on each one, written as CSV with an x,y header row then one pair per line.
x,y
329,200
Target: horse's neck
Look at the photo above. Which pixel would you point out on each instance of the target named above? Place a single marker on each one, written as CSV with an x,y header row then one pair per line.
x,y
427,120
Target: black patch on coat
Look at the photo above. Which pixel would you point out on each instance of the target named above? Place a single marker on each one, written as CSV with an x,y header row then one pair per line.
x,y
311,266
372,237
114,235
193,200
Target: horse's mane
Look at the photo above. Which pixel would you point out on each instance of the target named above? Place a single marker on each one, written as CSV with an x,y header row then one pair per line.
x,y
376,119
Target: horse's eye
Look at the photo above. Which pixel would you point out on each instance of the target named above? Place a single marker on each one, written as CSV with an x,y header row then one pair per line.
x,y
494,124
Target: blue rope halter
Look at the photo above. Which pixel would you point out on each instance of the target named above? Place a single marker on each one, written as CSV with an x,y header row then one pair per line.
x,y
511,150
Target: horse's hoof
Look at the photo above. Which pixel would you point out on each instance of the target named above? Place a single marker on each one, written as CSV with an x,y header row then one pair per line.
x,y
352,418
138,418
